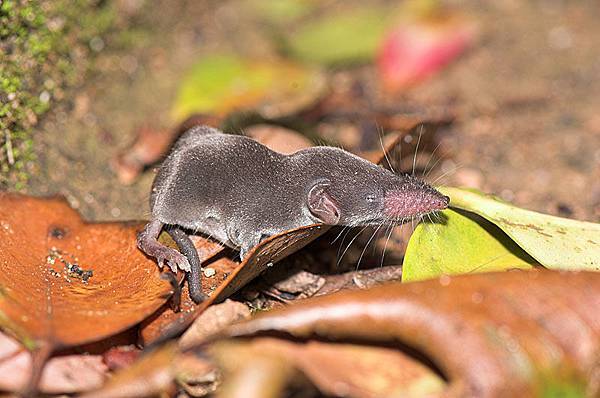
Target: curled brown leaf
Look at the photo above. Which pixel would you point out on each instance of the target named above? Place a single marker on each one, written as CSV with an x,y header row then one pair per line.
x,y
533,328
212,321
348,370
66,282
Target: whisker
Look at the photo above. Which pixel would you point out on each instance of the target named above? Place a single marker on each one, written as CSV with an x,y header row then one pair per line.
x,y
417,149
349,244
389,235
366,246
453,170
433,217
401,234
425,172
374,250
348,229
344,228
438,217
384,151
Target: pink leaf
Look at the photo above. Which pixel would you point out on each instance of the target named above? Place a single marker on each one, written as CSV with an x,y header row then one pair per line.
x,y
62,374
416,49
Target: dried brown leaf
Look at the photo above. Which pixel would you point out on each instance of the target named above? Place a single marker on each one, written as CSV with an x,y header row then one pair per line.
x,y
367,371
251,372
348,370
49,296
362,279
212,321
150,145
278,139
302,284
533,328
198,376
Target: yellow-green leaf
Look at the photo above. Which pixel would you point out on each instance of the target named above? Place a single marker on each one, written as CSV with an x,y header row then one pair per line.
x,y
555,242
341,38
281,11
460,243
221,84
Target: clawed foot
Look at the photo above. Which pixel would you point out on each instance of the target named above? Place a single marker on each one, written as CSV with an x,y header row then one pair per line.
x,y
174,259
147,243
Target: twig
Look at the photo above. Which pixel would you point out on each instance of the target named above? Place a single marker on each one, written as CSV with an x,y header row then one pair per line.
x,y
9,149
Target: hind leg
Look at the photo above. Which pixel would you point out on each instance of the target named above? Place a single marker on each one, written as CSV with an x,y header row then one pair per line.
x,y
148,243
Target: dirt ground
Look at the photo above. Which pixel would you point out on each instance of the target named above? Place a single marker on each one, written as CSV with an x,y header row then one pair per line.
x,y
525,97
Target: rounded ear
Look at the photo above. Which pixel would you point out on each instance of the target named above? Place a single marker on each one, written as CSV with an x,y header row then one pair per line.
x,y
322,205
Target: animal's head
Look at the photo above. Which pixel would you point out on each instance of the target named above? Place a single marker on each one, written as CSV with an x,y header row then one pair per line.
x,y
348,190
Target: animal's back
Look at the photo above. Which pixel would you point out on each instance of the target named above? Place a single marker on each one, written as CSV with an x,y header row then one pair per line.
x,y
204,173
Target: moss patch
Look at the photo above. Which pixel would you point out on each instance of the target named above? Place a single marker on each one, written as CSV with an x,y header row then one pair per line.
x,y
45,48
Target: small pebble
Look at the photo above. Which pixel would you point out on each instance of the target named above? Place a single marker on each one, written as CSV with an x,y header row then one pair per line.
x,y
209,272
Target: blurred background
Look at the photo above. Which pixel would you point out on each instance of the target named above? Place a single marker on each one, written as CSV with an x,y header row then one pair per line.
x,y
93,92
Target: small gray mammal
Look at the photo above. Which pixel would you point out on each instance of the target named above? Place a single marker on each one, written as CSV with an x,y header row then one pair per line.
x,y
239,192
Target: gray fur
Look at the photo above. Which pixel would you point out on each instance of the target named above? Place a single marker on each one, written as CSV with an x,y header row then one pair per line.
x,y
238,191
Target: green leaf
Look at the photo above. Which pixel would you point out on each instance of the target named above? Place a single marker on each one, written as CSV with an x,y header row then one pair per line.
x,y
556,243
350,37
460,243
281,11
220,84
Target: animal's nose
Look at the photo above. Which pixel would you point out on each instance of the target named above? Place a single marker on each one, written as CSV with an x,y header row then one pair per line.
x,y
440,201
436,201
414,202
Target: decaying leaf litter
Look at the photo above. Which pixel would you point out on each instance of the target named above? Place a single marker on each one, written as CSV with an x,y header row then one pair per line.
x,y
325,113
546,345
236,276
